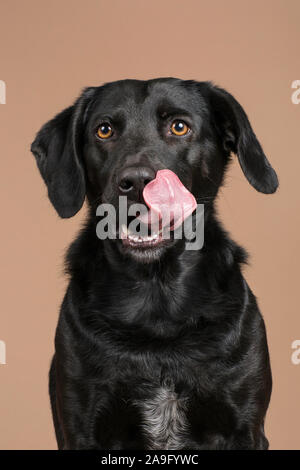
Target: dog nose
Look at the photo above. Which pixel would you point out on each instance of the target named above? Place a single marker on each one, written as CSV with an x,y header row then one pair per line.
x,y
132,180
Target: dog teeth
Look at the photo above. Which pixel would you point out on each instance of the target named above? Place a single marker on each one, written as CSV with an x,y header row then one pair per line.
x,y
134,238
139,239
126,233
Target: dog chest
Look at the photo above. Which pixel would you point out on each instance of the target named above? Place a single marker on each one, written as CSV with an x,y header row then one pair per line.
x,y
164,420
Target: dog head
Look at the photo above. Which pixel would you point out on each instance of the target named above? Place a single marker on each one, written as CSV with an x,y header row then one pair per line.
x,y
116,137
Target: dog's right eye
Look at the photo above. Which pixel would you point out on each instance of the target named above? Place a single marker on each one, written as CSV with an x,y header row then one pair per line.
x,y
179,128
104,131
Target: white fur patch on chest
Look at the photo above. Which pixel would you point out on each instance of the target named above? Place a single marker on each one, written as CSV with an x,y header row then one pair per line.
x,y
164,420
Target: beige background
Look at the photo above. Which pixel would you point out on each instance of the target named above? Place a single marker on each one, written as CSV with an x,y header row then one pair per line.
x,y
49,51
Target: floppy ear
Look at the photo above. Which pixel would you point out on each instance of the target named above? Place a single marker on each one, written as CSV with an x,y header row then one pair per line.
x,y
237,134
57,149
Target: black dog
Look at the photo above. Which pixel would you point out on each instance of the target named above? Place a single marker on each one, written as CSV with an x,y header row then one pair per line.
x,y
157,347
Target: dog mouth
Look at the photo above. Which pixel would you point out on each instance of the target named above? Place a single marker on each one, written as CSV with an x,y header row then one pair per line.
x,y
147,238
168,204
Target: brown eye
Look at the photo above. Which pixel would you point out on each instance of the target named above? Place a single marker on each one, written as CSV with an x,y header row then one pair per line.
x,y
104,131
179,128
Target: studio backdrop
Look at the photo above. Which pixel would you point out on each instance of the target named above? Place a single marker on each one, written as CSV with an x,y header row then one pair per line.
x,y
50,51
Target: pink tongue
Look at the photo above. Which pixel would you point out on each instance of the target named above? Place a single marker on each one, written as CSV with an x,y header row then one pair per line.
x,y
168,198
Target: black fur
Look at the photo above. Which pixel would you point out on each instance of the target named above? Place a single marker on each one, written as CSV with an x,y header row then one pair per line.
x,y
133,321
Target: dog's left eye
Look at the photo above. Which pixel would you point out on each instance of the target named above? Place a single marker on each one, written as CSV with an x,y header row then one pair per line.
x,y
104,131
179,128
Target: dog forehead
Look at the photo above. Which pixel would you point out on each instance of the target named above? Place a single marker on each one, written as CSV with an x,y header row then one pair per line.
x,y
132,95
